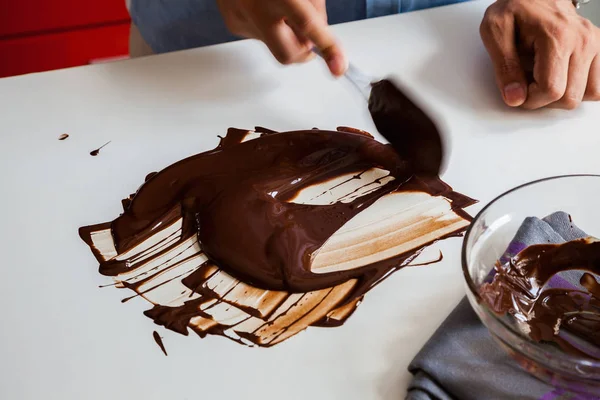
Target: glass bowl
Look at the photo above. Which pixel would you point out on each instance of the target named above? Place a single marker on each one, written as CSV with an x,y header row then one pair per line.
x,y
488,238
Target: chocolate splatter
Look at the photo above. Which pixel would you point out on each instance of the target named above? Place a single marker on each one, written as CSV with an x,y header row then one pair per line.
x,y
271,233
94,153
63,136
159,342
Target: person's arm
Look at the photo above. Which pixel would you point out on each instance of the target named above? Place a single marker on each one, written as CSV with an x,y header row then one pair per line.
x,y
290,28
562,46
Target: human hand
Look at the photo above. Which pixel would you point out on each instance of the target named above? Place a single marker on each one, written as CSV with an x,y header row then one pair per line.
x,y
563,48
289,28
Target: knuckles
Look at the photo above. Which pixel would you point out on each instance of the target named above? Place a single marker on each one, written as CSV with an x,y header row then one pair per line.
x,y
592,92
285,58
305,25
553,91
557,31
570,102
290,56
234,17
493,23
509,67
588,36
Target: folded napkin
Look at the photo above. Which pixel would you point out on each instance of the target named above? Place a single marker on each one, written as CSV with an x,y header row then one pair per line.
x,y
462,361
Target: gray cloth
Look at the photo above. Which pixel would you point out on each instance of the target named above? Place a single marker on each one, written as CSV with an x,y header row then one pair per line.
x,y
462,361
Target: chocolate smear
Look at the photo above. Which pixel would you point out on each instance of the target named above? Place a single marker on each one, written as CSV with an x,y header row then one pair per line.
x,y
270,233
159,342
94,153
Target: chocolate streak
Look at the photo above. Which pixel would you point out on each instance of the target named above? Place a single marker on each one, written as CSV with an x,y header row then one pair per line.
x,y
94,153
247,259
159,342
565,316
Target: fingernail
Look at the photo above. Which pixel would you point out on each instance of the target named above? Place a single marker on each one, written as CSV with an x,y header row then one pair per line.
x,y
338,65
514,94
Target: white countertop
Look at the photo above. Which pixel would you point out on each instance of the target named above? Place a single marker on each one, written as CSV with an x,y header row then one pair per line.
x,y
62,337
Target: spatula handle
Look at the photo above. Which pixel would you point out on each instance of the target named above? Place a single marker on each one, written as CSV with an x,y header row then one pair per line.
x,y
358,79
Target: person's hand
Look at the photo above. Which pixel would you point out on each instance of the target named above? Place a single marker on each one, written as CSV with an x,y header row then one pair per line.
x,y
561,48
289,28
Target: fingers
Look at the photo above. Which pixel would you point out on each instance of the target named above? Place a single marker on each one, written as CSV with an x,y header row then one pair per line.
x,y
580,64
290,28
285,45
498,34
303,40
321,8
565,49
322,11
282,41
550,74
579,67
235,19
592,90
309,23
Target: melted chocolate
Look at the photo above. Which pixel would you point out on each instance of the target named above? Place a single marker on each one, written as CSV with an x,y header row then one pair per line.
x,y
410,131
434,261
159,342
94,153
553,314
223,230
63,136
237,200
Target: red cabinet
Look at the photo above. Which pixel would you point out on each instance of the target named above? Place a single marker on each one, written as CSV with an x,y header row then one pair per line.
x,y
39,35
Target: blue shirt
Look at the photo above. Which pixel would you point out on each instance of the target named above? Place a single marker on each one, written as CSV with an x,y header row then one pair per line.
x,y
169,25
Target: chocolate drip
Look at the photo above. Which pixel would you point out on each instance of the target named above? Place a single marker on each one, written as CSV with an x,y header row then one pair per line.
x,y
159,342
94,153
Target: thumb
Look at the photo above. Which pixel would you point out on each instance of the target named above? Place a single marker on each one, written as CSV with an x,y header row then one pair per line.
x,y
512,83
499,38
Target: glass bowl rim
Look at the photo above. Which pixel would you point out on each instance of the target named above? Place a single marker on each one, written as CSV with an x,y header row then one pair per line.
x,y
471,285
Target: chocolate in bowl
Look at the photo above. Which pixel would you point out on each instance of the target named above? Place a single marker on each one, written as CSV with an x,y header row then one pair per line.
x,y
536,341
